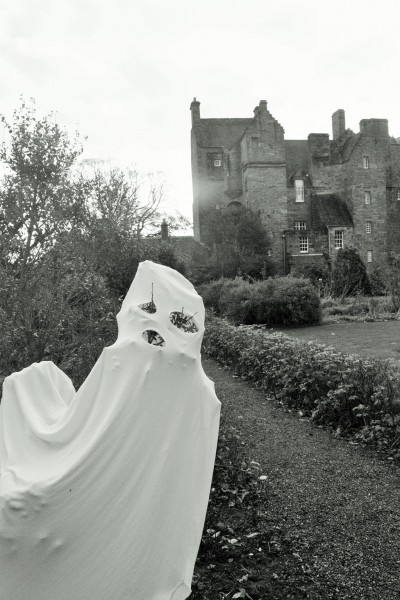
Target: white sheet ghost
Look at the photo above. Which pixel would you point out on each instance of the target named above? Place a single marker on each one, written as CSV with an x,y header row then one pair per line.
x,y
103,492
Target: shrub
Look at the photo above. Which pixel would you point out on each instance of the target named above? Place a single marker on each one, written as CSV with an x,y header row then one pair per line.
x,y
355,396
275,301
349,274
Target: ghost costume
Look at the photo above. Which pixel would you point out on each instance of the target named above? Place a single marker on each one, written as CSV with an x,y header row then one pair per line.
x,y
104,491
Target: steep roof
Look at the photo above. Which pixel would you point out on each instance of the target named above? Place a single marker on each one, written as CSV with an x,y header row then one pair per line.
x,y
328,210
214,133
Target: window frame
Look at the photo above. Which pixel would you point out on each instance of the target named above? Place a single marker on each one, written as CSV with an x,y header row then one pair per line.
x,y
338,239
365,162
303,242
367,197
217,162
368,227
299,190
300,225
398,195
369,256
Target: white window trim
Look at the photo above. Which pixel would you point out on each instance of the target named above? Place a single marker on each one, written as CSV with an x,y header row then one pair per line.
x,y
369,256
304,239
367,197
300,225
338,244
217,162
299,190
365,162
398,195
368,227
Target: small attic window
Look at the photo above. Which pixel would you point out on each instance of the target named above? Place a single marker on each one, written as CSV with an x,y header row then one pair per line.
x,y
217,163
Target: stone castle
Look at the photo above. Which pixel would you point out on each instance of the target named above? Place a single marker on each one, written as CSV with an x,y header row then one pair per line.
x,y
313,196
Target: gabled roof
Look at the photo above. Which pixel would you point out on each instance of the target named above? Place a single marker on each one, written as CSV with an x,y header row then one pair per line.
x,y
328,210
215,133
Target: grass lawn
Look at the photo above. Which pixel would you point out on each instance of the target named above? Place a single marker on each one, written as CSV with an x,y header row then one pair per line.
x,y
379,339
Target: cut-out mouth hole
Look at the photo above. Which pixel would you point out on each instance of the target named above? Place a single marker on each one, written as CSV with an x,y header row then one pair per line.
x,y
148,307
153,337
183,321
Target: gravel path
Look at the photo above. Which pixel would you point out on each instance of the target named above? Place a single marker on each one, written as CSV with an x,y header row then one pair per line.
x,y
341,502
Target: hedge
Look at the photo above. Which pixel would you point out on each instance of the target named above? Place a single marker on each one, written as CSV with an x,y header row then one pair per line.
x,y
357,397
274,301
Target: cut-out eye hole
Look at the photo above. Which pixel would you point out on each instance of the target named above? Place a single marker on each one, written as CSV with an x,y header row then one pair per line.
x,y
183,321
148,307
153,337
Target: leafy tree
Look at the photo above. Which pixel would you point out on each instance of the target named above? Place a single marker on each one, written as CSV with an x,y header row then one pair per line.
x,y
349,274
70,244
239,243
35,198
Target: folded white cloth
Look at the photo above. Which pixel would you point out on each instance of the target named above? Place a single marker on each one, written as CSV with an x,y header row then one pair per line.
x,y
104,491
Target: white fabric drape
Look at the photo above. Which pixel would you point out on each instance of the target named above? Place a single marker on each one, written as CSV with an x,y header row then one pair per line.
x,y
103,492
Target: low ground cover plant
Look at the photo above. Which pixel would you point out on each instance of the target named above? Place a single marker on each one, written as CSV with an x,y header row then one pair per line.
x,y
357,397
274,301
357,308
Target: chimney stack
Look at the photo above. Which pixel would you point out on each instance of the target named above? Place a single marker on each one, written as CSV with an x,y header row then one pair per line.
x,y
338,124
195,110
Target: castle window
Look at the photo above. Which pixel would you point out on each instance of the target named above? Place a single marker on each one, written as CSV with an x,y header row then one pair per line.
x,y
366,162
367,197
369,256
300,225
217,163
368,226
303,244
398,195
338,239
299,187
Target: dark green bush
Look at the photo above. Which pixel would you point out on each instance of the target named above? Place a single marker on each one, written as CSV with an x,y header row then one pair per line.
x,y
355,396
349,275
274,301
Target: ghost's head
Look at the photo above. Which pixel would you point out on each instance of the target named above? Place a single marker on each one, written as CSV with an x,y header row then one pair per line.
x,y
162,309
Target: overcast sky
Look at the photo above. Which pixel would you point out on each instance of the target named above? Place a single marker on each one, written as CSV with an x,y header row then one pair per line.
x,y
124,72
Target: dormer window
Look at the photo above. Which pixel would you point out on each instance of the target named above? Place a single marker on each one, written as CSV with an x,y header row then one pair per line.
x,y
366,162
299,187
338,239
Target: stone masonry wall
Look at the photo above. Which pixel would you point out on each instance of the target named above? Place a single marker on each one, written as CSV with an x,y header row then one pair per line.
x,y
266,195
373,179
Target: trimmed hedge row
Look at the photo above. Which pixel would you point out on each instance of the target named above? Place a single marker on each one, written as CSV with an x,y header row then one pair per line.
x,y
274,301
355,396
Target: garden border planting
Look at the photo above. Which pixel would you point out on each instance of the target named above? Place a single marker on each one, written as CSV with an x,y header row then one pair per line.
x,y
357,397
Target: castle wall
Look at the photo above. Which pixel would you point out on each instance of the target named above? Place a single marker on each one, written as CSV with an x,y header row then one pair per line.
x,y
360,180
393,201
255,171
